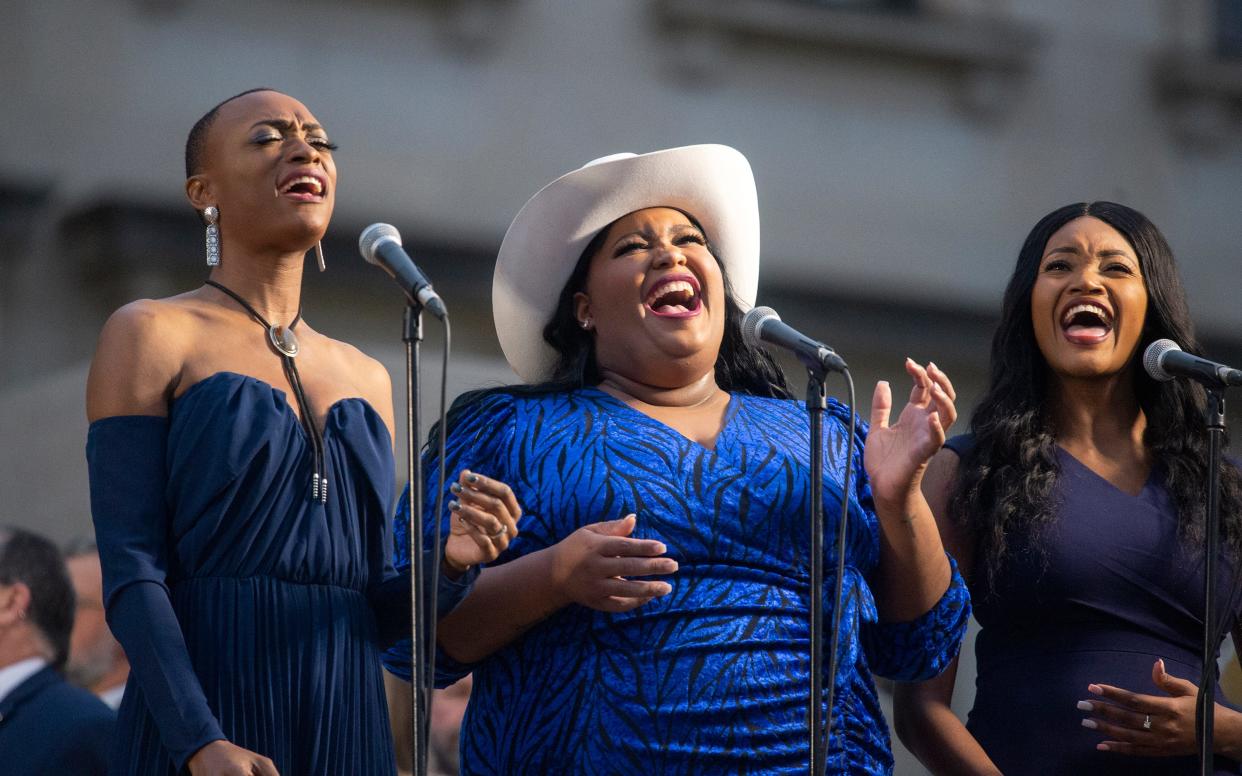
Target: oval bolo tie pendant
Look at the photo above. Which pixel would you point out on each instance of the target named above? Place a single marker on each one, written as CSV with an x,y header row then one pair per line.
x,y
283,340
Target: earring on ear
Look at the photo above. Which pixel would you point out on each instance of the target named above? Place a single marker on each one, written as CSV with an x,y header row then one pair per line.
x,y
586,324
319,255
211,215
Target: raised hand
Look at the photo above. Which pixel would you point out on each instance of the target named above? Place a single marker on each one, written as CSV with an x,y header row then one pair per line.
x,y
486,513
590,566
895,456
221,758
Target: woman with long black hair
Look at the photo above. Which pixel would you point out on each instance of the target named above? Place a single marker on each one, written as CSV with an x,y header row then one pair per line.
x,y
672,637
1076,509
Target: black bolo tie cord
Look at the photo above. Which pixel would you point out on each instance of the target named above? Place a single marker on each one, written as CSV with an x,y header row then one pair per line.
x,y
319,475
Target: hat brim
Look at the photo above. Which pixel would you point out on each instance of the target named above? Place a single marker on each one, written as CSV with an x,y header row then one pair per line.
x,y
712,183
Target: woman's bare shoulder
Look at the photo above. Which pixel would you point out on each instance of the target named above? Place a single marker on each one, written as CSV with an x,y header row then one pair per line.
x,y
139,357
369,376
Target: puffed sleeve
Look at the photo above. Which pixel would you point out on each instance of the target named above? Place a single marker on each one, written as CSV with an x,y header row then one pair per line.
x,y
481,431
126,457
923,647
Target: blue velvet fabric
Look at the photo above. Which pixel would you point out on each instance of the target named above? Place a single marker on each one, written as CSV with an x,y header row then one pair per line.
x,y
1094,598
248,610
712,678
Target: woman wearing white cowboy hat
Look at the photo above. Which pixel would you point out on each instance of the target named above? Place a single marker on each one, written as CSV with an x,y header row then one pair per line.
x,y
673,639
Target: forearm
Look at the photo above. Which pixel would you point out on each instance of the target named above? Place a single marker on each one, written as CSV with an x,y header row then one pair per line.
x,y
505,602
1227,738
913,572
142,618
941,742
391,599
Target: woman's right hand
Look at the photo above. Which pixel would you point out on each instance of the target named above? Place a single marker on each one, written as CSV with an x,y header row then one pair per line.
x,y
221,758
590,567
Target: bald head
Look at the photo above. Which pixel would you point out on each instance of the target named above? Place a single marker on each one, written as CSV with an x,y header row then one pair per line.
x,y
196,142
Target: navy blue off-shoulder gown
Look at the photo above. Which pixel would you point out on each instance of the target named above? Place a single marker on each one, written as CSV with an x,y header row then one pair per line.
x,y
248,610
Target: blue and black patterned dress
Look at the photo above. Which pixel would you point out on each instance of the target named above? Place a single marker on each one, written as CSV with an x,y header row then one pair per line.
x,y
713,677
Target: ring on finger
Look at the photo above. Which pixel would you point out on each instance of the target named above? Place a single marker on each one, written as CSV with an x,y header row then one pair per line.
x,y
1147,722
499,533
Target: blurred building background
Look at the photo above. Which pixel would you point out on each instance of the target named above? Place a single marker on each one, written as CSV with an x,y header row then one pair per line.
x,y
902,150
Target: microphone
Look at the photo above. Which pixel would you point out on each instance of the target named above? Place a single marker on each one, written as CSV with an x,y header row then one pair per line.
x,y
380,245
762,324
1164,360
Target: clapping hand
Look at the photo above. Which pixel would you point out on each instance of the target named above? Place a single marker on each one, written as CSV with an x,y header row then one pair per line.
x,y
895,456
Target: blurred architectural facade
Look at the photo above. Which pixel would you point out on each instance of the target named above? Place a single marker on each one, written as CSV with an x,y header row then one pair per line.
x,y
902,150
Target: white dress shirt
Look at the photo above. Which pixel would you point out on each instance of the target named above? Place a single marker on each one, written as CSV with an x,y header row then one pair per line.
x,y
13,675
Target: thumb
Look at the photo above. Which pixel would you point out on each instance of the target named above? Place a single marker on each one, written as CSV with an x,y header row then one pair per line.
x,y
622,527
881,404
1171,684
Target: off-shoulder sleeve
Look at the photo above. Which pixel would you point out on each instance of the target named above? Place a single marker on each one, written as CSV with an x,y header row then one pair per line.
x,y
480,433
126,459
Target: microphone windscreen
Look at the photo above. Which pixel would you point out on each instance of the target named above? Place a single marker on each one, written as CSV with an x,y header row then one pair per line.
x,y
1153,356
753,321
371,236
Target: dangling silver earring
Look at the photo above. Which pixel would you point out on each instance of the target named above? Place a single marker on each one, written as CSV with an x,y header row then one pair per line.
x,y
212,216
319,255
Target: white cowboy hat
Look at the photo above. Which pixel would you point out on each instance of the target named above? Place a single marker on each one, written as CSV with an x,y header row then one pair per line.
x,y
712,183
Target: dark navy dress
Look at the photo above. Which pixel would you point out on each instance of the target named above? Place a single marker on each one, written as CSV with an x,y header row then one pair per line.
x,y
246,608
1118,590
713,677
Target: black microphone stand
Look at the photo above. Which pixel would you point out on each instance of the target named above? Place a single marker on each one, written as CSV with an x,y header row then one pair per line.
x,y
412,335
816,404
1206,708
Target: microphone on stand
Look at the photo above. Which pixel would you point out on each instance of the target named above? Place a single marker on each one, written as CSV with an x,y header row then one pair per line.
x,y
1164,360
762,324
380,245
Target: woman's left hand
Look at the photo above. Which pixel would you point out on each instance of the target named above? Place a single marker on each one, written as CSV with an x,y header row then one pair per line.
x,y
895,456
486,514
1146,725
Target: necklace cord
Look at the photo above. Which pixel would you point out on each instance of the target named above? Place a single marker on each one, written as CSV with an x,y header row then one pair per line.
x,y
319,474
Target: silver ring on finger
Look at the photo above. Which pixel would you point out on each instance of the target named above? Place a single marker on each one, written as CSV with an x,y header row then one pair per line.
x,y
1147,722
499,533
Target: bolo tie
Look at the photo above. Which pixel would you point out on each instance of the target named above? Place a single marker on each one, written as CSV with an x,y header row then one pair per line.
x,y
285,343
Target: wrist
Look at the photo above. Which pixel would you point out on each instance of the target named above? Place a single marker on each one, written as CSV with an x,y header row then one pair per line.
x,y
557,584
899,507
1228,733
451,568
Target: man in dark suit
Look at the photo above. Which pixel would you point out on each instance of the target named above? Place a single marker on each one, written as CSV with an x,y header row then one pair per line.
x,y
46,725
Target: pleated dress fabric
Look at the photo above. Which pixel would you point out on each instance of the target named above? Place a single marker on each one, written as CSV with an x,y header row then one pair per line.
x,y
714,677
269,587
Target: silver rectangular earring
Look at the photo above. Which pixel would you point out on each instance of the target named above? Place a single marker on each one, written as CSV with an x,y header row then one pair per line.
x,y
319,256
212,216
